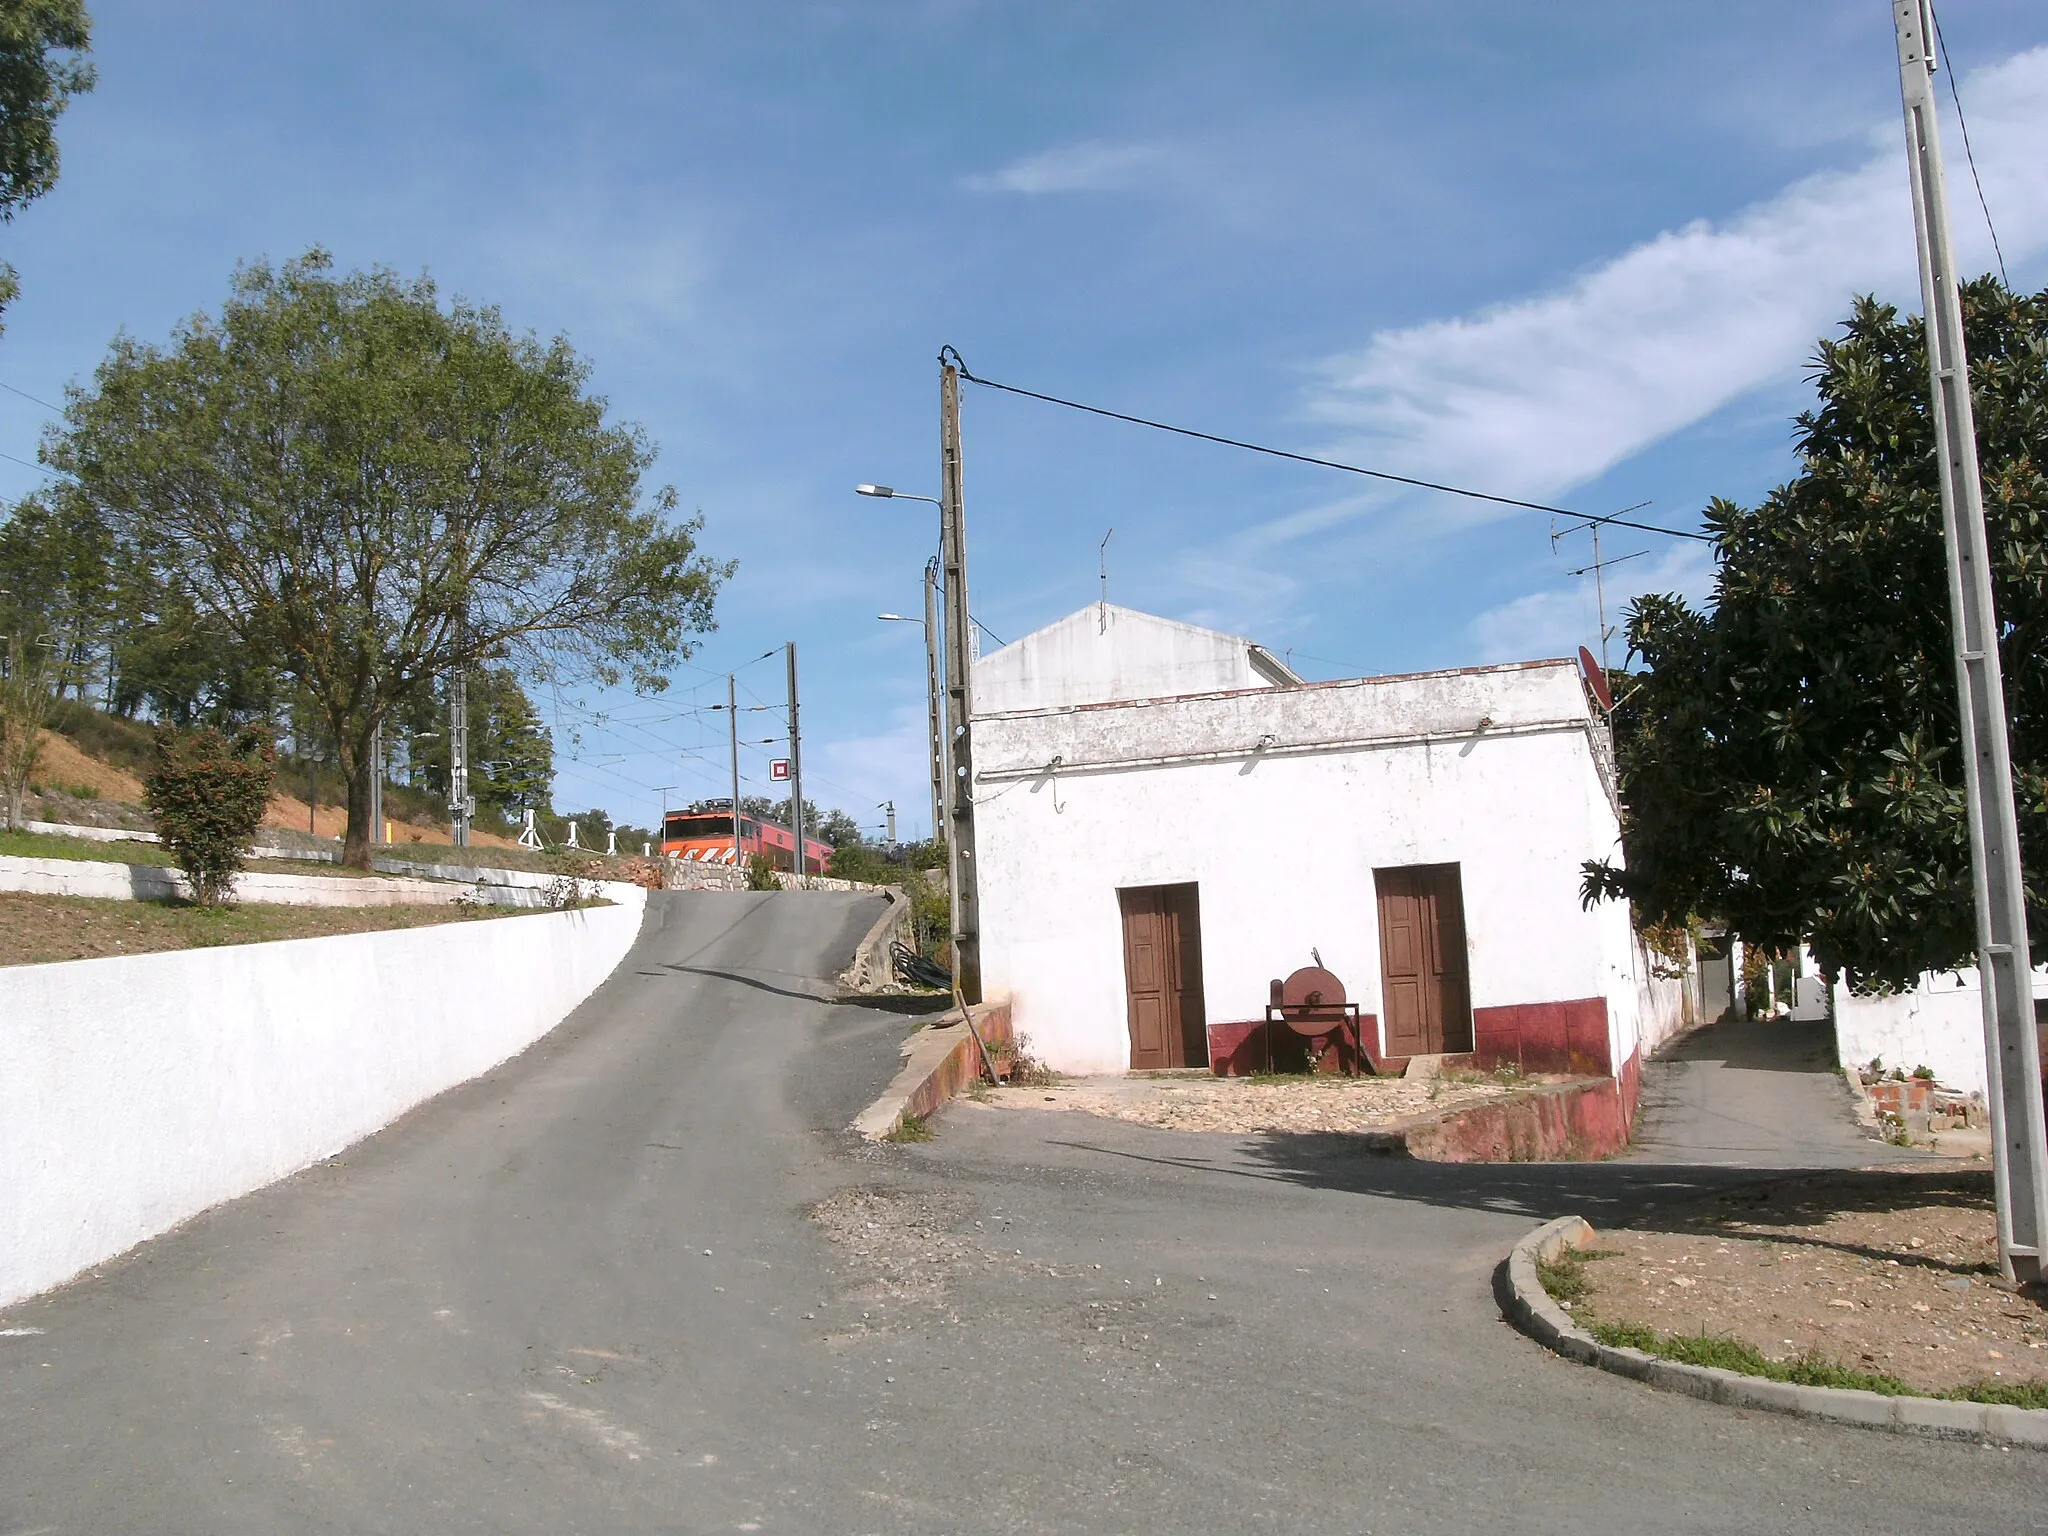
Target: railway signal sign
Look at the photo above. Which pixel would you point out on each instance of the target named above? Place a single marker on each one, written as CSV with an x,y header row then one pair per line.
x,y
778,770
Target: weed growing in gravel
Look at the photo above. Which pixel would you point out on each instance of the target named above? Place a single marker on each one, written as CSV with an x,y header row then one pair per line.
x,y
912,1128
1564,1277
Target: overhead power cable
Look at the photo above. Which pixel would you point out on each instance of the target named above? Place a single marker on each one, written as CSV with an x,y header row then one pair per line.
x,y
1306,458
38,399
1969,154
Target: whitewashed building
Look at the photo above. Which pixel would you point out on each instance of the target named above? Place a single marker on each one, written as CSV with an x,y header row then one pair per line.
x,y
1169,819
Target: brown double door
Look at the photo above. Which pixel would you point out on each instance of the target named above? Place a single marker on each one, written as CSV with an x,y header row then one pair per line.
x,y
1163,976
1423,984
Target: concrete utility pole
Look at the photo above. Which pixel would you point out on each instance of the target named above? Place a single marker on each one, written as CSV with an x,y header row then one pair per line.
x,y
966,884
932,694
890,807
2004,963
796,773
732,718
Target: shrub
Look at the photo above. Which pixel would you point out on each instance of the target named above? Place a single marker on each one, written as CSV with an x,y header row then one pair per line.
x,y
206,793
761,874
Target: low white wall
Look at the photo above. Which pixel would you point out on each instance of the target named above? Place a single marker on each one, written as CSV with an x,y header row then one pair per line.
x,y
150,882
136,1092
1939,1024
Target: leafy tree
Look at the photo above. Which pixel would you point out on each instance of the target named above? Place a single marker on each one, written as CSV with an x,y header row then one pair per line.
x,y
206,794
371,490
631,837
834,827
43,44
1789,757
29,679
56,572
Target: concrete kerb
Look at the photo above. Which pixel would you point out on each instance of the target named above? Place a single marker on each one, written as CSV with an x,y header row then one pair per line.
x,y
1519,1289
938,1062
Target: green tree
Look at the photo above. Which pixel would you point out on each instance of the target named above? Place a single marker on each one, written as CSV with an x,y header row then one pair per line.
x,y
57,573
29,679
1789,755
370,490
43,44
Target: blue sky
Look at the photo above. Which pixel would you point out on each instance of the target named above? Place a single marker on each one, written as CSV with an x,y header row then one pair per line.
x,y
1573,252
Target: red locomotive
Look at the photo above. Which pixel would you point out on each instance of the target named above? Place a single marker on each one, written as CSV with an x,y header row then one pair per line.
x,y
703,833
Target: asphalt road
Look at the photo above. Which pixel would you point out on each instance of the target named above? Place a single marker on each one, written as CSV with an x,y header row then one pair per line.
x,y
640,1279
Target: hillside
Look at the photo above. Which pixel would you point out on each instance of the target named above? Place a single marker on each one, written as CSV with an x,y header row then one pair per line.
x,y
91,768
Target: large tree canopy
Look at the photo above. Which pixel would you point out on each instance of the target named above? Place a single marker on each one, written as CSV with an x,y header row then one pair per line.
x,y
371,490
42,66
1790,757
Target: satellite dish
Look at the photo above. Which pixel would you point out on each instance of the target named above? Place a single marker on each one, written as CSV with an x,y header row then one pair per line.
x,y
1596,680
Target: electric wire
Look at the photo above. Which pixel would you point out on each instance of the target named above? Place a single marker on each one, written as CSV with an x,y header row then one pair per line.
x,y
1969,154
1306,458
38,399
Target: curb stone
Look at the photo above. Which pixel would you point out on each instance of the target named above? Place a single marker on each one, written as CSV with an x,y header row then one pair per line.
x,y
1528,1306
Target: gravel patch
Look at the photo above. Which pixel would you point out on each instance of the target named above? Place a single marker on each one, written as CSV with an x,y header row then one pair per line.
x,y
1890,1273
1245,1106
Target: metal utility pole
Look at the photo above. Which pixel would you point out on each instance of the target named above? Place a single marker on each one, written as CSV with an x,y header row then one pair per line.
x,y
966,884
732,719
2004,963
458,758
933,695
796,773
377,783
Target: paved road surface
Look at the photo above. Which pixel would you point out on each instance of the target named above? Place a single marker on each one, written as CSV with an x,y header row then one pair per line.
x,y
1749,1094
587,1293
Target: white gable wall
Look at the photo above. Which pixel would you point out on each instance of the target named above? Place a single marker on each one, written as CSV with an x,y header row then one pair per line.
x,y
1283,839
1105,652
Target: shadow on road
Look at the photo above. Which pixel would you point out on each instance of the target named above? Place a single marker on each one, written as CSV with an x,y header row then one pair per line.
x,y
1605,1193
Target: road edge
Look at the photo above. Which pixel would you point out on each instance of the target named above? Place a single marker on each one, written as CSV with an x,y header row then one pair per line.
x,y
1529,1307
938,1062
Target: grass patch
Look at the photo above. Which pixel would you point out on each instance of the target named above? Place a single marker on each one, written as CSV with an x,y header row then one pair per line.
x,y
1807,1370
1564,1277
51,845
38,929
913,1128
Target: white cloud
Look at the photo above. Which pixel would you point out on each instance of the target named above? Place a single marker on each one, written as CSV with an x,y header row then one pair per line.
x,y
1534,397
1558,620
1091,166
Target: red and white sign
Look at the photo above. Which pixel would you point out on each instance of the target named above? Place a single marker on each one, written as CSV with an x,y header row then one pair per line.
x,y
778,770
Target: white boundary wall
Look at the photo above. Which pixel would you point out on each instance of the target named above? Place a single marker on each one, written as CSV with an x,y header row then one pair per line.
x,y
1939,1024
153,882
136,1092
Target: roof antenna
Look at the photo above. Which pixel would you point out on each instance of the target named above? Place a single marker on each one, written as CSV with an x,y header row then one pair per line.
x,y
1102,564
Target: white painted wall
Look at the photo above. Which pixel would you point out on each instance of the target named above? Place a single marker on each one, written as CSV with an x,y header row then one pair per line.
x,y
1939,1024
1279,805
136,1092
1105,652
150,882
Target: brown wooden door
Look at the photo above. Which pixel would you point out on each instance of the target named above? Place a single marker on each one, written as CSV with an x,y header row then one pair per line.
x,y
1164,1006
1424,990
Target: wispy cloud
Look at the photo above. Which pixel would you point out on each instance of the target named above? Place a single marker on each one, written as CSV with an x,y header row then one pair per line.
x,y
1558,620
1090,166
1534,397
